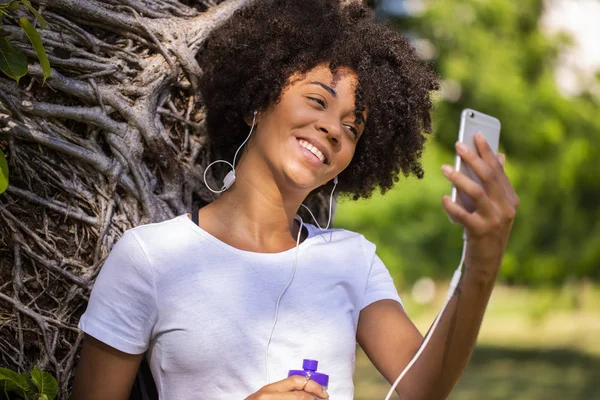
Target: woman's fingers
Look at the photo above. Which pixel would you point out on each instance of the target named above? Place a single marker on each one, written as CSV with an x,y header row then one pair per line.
x,y
497,165
297,395
314,388
502,159
487,153
310,386
458,214
469,187
299,383
495,198
484,168
475,223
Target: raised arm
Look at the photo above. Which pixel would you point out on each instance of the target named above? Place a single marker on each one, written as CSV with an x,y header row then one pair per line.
x,y
385,332
390,340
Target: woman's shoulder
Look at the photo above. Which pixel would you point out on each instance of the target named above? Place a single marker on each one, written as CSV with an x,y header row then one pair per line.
x,y
340,237
162,237
156,230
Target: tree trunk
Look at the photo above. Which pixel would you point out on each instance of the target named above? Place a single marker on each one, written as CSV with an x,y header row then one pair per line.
x,y
114,139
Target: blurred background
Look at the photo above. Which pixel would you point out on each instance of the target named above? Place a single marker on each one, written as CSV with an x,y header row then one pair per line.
x,y
535,65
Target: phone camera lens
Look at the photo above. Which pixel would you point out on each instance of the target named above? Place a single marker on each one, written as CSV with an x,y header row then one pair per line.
x,y
471,114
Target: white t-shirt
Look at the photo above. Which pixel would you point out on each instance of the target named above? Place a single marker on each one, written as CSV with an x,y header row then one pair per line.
x,y
203,310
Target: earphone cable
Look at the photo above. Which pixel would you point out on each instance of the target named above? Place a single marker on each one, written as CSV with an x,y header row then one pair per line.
x,y
453,284
232,165
244,142
280,296
335,182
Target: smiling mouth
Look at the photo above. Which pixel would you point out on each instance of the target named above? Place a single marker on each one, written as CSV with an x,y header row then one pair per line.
x,y
316,152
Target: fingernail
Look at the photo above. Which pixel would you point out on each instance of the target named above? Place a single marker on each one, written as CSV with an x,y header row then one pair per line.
x,y
446,169
502,158
462,147
325,394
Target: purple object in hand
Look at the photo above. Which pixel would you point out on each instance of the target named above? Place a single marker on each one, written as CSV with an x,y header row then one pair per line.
x,y
310,369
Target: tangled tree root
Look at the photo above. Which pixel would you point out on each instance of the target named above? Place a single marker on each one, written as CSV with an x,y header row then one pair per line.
x,y
114,139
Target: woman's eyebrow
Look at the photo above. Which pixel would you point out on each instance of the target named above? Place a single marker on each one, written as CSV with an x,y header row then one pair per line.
x,y
326,87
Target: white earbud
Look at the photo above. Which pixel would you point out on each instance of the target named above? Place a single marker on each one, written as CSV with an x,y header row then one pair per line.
x,y
230,177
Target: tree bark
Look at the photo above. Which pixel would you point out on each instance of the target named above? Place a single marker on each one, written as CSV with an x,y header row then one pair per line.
x,y
115,138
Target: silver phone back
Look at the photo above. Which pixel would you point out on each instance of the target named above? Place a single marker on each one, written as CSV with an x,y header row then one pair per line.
x,y
472,122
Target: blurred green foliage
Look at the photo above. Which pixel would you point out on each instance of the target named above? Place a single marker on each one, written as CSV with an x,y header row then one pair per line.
x,y
503,65
500,373
534,344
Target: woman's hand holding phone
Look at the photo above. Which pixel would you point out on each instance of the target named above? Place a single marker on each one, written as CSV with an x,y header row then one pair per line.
x,y
488,226
293,388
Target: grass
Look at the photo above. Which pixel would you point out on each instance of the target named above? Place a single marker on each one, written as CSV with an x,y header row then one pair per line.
x,y
533,345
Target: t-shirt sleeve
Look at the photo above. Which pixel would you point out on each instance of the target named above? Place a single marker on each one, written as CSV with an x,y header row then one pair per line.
x,y
380,285
122,308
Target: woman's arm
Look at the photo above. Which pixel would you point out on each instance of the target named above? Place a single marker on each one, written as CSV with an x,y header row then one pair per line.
x,y
390,340
385,332
104,372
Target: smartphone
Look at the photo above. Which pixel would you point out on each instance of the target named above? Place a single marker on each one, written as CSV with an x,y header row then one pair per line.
x,y
472,122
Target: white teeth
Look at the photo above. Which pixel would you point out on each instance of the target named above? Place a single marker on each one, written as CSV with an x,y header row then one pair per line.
x,y
312,149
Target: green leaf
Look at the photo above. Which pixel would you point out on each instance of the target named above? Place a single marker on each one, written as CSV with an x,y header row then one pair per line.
x,y
12,387
36,41
3,173
11,5
45,382
12,61
14,5
41,20
14,382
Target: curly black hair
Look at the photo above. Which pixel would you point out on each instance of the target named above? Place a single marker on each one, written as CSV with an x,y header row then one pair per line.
x,y
247,62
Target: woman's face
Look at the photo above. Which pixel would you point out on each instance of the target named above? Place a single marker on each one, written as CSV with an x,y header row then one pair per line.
x,y
310,136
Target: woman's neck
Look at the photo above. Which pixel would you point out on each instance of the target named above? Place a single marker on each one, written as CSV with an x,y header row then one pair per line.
x,y
254,214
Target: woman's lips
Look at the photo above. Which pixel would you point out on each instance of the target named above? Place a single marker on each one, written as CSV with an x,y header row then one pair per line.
x,y
313,149
309,156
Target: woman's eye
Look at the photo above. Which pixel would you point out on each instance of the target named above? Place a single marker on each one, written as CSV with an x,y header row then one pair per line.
x,y
322,103
353,130
319,101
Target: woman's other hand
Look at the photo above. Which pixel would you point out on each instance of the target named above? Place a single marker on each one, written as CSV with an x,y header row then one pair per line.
x,y
293,388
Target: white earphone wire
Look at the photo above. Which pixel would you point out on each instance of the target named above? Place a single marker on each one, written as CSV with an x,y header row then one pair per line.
x,y
244,142
232,165
452,288
335,182
280,296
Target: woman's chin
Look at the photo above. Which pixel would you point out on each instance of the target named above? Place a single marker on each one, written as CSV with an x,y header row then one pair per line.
x,y
302,180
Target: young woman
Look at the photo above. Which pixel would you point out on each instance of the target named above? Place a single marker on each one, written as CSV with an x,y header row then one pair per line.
x,y
328,96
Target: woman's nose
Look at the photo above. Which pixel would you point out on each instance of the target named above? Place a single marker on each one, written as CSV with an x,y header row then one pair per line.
x,y
332,131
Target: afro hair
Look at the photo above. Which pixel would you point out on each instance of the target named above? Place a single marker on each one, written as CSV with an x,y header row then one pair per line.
x,y
247,63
